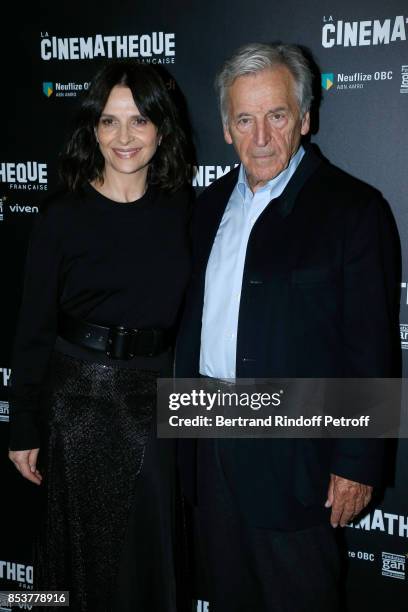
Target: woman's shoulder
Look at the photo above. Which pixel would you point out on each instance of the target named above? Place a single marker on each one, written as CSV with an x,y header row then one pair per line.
x,y
58,201
182,199
56,209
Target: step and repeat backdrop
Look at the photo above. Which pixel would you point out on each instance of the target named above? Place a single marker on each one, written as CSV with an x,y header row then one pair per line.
x,y
48,58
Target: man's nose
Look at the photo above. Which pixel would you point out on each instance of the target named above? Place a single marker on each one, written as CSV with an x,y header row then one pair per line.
x,y
262,132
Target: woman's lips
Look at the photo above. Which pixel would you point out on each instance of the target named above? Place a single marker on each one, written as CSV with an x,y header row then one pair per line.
x,y
126,153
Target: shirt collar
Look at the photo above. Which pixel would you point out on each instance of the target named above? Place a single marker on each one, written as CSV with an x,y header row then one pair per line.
x,y
281,180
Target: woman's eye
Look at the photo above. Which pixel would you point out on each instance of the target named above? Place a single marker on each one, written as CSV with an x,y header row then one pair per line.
x,y
140,121
112,122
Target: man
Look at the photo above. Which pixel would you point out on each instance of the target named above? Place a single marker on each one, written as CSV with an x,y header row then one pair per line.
x,y
295,273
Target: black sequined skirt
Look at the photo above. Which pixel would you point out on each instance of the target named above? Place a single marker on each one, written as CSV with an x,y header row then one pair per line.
x,y
109,526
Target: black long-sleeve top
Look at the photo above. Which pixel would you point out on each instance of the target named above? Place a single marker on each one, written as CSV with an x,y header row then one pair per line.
x,y
105,262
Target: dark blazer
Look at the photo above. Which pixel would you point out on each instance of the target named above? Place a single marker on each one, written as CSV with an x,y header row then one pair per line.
x,y
319,299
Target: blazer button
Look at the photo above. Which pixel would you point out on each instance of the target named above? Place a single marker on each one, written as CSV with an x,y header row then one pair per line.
x,y
245,359
255,282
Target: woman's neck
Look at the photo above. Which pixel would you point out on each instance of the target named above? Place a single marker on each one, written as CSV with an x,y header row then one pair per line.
x,y
122,187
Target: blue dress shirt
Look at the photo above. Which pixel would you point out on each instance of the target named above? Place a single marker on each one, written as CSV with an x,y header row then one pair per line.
x,y
223,279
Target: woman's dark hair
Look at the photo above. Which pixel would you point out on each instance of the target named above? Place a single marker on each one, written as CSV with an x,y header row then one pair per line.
x,y
82,161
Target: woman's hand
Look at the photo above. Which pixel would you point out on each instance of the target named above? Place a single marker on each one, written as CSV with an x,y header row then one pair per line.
x,y
26,463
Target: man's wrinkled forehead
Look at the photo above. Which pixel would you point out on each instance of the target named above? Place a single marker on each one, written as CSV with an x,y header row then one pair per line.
x,y
275,85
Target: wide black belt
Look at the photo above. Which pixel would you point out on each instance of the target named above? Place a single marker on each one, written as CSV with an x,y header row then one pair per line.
x,y
117,342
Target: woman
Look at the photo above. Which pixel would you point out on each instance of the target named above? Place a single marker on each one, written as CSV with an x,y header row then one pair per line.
x,y
107,267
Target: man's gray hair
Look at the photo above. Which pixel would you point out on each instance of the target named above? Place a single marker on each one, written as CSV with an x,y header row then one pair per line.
x,y
256,57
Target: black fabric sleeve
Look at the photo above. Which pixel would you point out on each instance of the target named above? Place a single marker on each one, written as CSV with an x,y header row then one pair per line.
x,y
36,332
370,326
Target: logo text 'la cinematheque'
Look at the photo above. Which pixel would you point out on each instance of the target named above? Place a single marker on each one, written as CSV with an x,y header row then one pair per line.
x,y
27,175
154,47
370,32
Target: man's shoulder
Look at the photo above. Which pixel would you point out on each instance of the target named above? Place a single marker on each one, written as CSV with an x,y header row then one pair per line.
x,y
336,192
339,183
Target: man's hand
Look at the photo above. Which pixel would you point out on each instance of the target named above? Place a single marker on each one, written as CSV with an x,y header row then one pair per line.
x,y
26,463
346,498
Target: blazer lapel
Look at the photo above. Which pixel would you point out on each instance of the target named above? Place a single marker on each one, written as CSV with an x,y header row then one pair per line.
x,y
285,202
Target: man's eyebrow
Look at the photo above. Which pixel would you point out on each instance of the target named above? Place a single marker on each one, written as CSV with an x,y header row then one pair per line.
x,y
275,109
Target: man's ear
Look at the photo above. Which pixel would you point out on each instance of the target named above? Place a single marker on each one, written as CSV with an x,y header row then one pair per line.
x,y
227,134
305,124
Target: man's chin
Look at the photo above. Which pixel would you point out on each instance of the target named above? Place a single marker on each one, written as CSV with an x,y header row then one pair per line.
x,y
266,174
